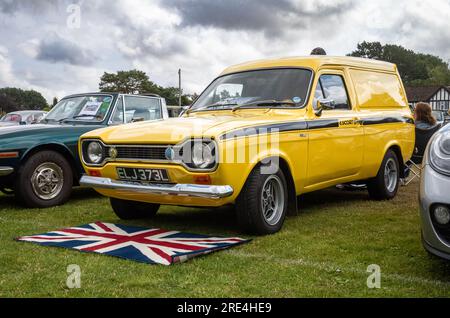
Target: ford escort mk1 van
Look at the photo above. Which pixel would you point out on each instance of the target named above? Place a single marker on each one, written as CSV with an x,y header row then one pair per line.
x,y
261,134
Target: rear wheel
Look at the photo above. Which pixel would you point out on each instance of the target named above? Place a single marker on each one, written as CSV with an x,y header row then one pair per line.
x,y
132,210
44,180
263,203
385,185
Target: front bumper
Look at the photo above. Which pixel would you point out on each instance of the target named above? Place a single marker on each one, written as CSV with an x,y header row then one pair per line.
x,y
6,171
183,190
433,190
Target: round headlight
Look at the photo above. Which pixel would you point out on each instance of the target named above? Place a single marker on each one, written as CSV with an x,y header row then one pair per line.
x,y
95,152
442,215
202,155
440,153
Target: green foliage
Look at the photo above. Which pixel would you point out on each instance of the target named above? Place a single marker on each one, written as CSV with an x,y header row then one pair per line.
x,y
138,82
55,101
415,68
14,99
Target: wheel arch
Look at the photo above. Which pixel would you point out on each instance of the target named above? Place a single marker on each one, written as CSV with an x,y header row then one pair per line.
x,y
395,147
285,167
59,148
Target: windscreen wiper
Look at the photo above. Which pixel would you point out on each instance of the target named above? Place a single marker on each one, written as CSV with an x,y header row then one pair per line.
x,y
265,103
210,107
75,117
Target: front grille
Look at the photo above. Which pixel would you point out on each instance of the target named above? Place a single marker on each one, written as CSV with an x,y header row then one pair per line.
x,y
141,153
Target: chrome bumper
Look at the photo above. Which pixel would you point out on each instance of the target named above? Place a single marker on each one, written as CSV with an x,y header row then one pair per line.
x,y
186,190
6,171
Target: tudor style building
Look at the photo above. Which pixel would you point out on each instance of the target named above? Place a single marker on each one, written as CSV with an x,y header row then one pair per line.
x,y
437,96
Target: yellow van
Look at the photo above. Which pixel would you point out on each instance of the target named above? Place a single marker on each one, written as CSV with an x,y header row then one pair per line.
x,y
261,134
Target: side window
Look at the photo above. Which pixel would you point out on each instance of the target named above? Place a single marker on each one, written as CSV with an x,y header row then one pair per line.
x,y
117,117
333,87
142,109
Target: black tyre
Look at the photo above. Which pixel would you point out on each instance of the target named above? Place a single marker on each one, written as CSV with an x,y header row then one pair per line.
x,y
385,185
44,180
263,203
132,210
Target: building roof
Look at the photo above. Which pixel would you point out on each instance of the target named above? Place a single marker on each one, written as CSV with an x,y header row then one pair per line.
x,y
314,62
423,93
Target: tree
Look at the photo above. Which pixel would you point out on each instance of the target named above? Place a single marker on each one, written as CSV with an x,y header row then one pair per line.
x,y
414,68
369,50
138,82
24,100
7,104
55,101
127,82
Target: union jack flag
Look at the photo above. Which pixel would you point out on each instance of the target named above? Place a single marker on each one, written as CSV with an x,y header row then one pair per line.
x,y
153,246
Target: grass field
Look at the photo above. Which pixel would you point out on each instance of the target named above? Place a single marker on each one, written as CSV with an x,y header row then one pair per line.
x,y
324,251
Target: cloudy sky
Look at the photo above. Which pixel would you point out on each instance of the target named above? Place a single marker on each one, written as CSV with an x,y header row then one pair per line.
x,y
59,47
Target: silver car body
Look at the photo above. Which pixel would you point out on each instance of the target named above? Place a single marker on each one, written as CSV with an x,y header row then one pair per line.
x,y
434,190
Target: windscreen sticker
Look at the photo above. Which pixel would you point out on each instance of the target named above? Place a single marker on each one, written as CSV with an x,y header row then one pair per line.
x,y
297,100
90,109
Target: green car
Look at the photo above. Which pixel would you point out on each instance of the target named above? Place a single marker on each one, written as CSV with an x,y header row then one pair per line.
x,y
39,164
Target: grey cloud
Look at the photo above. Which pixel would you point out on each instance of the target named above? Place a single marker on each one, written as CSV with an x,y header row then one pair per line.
x,y
32,6
270,16
59,50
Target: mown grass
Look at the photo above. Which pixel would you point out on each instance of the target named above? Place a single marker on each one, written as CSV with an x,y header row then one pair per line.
x,y
324,251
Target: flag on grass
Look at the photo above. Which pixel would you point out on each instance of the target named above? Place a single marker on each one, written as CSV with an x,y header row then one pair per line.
x,y
153,246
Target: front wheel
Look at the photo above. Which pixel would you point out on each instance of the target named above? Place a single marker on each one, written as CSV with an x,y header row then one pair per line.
x,y
262,205
385,185
132,210
44,180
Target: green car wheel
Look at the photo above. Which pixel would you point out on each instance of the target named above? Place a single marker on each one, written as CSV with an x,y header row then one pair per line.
x,y
44,180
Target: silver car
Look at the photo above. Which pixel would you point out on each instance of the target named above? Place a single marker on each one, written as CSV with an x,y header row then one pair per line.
x,y
440,117
27,117
435,195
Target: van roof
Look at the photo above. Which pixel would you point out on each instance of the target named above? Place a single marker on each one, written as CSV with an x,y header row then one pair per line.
x,y
314,62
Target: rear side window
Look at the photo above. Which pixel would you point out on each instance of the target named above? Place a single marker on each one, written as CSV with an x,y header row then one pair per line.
x,y
378,90
142,109
332,87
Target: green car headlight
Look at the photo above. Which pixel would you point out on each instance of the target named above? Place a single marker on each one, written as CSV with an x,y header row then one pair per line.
x,y
440,153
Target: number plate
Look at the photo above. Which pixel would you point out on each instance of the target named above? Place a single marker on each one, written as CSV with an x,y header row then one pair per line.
x,y
143,175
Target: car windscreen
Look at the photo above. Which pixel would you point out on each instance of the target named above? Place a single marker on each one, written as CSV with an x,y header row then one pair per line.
x,y
282,87
88,108
438,115
15,118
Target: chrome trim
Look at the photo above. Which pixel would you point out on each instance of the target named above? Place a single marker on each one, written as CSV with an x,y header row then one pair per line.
x,y
162,107
107,159
151,161
186,190
6,171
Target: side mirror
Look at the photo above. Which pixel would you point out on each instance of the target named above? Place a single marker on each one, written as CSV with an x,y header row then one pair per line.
x,y
324,104
184,109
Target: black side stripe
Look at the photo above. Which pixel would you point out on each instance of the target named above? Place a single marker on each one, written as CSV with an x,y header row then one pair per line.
x,y
283,127
386,120
309,125
323,123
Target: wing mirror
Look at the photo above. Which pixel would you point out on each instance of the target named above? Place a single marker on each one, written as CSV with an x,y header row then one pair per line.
x,y
324,104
